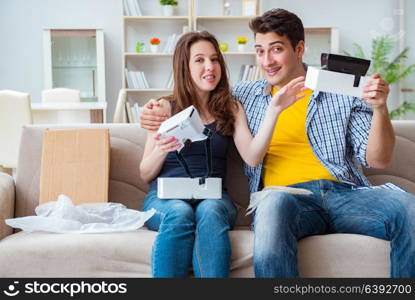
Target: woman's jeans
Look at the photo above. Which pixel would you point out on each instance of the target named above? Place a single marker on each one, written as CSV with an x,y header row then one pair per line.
x,y
191,232
281,219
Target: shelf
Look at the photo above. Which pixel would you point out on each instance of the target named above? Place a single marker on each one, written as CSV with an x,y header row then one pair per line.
x,y
238,53
147,54
317,30
74,67
69,106
224,18
148,90
145,18
75,59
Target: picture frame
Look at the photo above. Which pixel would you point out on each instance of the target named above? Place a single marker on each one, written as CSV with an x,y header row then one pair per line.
x,y
249,7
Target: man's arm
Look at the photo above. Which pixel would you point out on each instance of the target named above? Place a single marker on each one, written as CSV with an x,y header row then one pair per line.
x,y
253,148
152,115
381,140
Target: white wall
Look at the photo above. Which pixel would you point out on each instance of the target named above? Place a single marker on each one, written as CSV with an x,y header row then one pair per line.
x,y
22,21
409,82
21,52
359,21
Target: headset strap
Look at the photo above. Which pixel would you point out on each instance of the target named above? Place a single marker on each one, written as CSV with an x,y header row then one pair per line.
x,y
208,151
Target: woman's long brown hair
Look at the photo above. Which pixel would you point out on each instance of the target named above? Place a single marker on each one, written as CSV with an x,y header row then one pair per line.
x,y
221,104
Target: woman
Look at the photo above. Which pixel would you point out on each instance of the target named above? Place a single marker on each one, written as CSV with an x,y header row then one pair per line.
x,y
195,232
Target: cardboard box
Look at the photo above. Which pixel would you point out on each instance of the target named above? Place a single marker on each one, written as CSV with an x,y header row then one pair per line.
x,y
334,82
75,163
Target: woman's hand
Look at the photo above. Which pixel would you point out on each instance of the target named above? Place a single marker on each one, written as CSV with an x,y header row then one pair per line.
x,y
287,95
167,144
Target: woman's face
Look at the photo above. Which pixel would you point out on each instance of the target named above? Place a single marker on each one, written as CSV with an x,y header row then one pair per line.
x,y
204,66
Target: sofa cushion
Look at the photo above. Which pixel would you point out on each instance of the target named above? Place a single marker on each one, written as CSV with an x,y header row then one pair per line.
x,y
124,254
343,255
128,254
401,170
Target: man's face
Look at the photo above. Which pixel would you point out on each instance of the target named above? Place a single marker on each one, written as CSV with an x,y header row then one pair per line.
x,y
277,58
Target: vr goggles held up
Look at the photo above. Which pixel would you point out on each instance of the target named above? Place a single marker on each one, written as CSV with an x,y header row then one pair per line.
x,y
184,126
339,74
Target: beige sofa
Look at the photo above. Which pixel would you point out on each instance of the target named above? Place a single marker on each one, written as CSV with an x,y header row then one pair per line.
x,y
128,254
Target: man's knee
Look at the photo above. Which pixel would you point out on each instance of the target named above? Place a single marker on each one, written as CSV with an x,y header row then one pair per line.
x,y
275,204
276,212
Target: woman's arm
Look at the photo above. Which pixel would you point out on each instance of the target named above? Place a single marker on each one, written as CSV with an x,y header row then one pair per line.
x,y
155,152
156,149
253,149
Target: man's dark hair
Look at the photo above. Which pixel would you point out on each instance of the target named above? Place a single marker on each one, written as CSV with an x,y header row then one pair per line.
x,y
281,22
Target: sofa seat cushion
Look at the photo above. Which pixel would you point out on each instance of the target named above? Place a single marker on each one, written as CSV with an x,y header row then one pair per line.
x,y
42,254
343,255
125,254
128,254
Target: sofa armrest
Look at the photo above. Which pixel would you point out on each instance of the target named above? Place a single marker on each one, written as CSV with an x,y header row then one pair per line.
x,y
7,197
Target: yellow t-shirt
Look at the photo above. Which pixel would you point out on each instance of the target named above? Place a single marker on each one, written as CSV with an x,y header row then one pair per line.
x,y
289,157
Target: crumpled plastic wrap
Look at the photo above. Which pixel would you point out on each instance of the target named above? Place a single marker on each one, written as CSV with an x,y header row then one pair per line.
x,y
62,216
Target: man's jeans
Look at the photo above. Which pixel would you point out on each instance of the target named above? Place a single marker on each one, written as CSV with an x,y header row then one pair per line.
x,y
191,232
281,219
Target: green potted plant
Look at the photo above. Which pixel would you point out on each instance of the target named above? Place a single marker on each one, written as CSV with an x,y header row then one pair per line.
x,y
168,6
392,70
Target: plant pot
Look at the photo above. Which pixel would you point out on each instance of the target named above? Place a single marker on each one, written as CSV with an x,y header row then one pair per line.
x,y
168,10
154,48
241,47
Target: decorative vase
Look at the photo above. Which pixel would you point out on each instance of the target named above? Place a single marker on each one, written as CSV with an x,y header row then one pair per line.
x,y
241,47
154,48
168,10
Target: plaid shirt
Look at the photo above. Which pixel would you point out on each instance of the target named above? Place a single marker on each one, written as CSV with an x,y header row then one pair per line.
x,y
337,129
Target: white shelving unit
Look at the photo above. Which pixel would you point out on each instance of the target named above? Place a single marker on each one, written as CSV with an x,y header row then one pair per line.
x,y
157,67
200,15
211,16
318,40
74,58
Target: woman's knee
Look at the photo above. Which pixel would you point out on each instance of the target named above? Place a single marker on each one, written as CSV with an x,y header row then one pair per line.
x,y
179,212
215,208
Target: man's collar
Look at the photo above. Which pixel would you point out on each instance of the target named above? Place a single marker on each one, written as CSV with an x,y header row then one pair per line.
x,y
267,89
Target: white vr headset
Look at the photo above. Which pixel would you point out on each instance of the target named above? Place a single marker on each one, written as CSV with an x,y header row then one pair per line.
x,y
184,126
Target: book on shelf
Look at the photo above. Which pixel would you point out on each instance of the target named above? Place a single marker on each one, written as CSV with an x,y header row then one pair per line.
x,y
169,84
137,112
252,75
244,72
171,42
136,79
249,73
130,83
131,8
133,112
143,80
129,112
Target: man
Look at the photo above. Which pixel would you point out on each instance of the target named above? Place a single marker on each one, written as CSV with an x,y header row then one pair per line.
x,y
317,145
